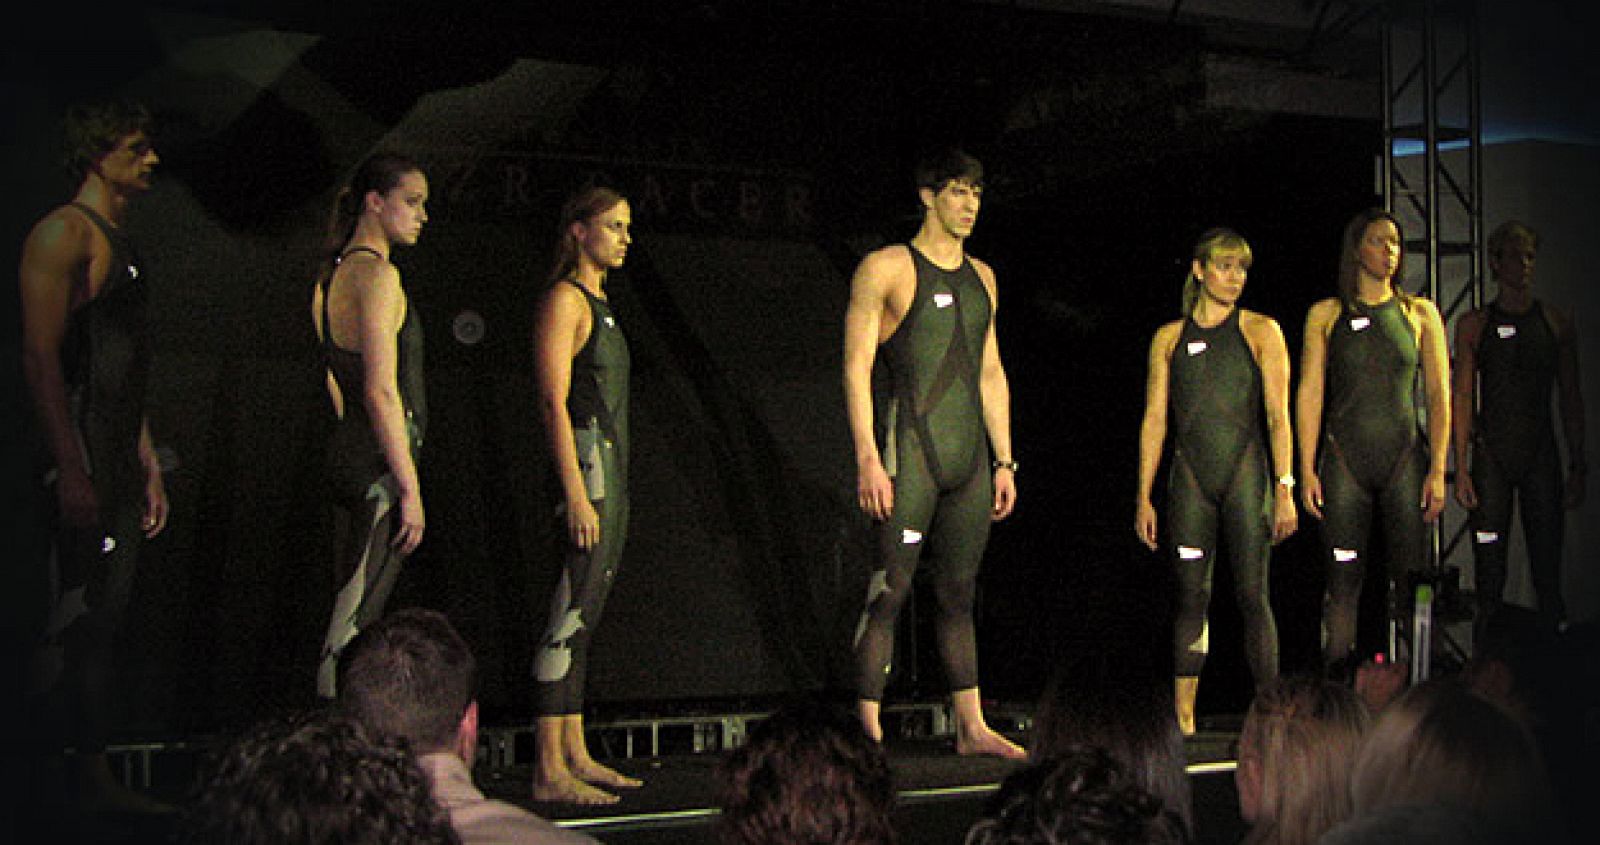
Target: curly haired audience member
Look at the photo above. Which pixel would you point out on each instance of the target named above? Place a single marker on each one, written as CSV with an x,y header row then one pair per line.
x,y
315,778
1134,722
809,775
1083,797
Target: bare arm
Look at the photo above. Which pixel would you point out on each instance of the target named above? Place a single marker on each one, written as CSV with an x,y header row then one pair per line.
x,y
1436,389
1153,431
380,308
862,324
561,330
1309,397
1463,400
1272,357
1570,398
995,393
55,265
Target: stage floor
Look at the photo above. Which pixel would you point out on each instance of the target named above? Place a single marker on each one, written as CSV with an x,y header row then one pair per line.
x,y
940,793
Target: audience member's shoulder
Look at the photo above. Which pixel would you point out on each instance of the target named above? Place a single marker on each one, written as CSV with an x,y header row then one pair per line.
x,y
1419,824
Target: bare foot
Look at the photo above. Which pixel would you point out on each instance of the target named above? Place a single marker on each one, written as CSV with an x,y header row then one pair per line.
x,y
567,789
590,771
987,741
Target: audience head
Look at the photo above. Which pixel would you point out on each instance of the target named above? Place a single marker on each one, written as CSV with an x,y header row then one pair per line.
x,y
1443,744
1081,796
410,675
1090,703
809,775
314,779
1300,738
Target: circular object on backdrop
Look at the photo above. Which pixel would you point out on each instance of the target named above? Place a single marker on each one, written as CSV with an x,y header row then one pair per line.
x,y
469,328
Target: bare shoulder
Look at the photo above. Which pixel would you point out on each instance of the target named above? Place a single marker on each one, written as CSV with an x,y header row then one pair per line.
x,y
1470,324
1425,307
984,270
1166,338
1255,323
886,262
1323,311
1561,319
63,229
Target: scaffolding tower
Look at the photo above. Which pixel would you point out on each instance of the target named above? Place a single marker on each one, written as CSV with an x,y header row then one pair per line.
x,y
1432,181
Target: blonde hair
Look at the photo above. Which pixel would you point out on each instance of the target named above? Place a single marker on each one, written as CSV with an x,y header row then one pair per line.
x,y
1304,734
1219,239
1443,744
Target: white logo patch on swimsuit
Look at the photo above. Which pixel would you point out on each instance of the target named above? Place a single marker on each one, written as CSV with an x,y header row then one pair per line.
x,y
1360,323
1486,537
1197,346
611,322
910,537
133,272
1506,332
1344,555
1190,553
108,545
943,300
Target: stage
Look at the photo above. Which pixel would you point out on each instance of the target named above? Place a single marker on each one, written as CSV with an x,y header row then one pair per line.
x,y
940,793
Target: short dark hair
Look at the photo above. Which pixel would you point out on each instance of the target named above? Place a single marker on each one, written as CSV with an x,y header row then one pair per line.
x,y
939,167
1080,796
93,129
809,775
410,675
314,777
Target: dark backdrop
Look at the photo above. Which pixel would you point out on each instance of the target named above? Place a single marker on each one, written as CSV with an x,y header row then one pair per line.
x,y
764,158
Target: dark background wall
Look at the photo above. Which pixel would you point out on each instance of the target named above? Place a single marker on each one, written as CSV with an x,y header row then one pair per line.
x,y
764,158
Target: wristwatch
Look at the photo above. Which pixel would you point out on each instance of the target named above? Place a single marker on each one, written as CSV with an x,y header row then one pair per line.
x,y
1011,465
1286,480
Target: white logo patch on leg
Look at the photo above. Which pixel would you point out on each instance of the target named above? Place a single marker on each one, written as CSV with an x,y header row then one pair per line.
x,y
1190,553
910,536
1345,555
1486,537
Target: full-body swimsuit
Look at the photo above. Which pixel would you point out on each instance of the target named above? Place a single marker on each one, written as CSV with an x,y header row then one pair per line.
x,y
597,405
105,358
1220,483
1372,460
1514,457
936,450
366,493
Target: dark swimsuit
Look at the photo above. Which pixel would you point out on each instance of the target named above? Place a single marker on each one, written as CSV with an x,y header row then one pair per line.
x,y
1220,483
1372,462
936,449
597,406
365,491
1515,458
105,361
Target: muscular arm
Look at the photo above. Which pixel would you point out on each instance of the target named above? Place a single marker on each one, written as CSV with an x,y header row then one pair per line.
x,y
55,265
1463,399
995,393
1272,357
1436,389
869,290
561,330
1569,395
1308,400
1153,431
380,308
